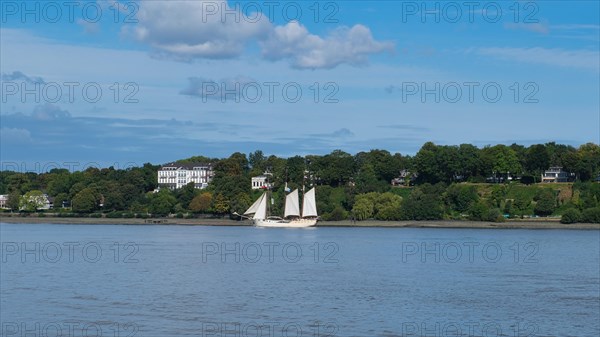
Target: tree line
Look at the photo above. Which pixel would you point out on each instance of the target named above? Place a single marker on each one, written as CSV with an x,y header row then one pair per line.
x,y
440,182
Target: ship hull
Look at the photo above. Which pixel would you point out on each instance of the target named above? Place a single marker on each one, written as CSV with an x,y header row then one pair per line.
x,y
299,223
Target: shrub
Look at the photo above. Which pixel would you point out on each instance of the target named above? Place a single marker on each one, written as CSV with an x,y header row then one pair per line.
x,y
546,202
494,215
572,215
422,206
363,208
591,215
96,215
477,211
338,214
461,197
113,215
527,180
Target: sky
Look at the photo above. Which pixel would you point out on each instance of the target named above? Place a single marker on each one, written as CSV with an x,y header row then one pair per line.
x,y
122,83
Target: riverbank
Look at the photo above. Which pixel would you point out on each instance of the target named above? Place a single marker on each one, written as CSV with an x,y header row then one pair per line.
x,y
511,224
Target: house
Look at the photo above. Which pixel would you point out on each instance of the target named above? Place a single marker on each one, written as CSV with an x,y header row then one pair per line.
x,y
494,180
3,201
178,175
261,182
555,174
405,177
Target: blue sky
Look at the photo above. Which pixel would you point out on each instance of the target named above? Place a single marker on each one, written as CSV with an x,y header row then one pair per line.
x,y
166,80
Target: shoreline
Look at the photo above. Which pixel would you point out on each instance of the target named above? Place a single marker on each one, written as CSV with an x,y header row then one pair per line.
x,y
509,224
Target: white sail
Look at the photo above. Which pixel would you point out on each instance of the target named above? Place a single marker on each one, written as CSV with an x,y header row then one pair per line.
x,y
254,206
261,211
309,206
292,204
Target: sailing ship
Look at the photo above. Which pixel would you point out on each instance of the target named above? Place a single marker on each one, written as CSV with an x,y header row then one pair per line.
x,y
259,211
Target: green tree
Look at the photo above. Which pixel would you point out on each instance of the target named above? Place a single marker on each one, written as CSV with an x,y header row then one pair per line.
x,y
558,153
482,212
162,203
422,206
32,201
112,196
537,160
363,208
589,163
85,201
336,168
366,180
240,203
460,197
337,214
20,182
385,166
508,207
201,203
257,162
572,215
571,162
426,163
591,215
187,193
500,160
469,161
220,204
58,182
387,206
59,199
477,211
295,168
546,202
231,177
14,199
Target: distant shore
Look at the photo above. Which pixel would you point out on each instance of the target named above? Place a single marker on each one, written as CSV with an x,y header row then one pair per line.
x,y
509,224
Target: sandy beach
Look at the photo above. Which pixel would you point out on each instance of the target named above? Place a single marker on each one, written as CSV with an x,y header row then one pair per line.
x,y
510,224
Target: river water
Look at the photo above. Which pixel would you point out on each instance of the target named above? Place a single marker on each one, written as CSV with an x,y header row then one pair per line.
x,y
169,280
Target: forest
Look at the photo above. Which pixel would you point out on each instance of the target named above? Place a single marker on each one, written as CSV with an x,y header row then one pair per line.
x,y
439,182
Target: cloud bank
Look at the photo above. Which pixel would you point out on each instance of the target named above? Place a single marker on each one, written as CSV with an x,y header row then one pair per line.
x,y
189,30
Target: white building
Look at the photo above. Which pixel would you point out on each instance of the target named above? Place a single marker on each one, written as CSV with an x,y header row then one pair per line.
x,y
3,201
176,175
259,182
555,174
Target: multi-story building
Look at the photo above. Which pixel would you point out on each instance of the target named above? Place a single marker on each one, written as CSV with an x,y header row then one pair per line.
x,y
555,174
177,175
3,201
261,181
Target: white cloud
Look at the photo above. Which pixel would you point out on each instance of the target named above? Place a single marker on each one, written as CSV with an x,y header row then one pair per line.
x,y
15,136
343,45
576,27
541,28
582,59
48,112
195,29
223,89
188,30
19,76
89,27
